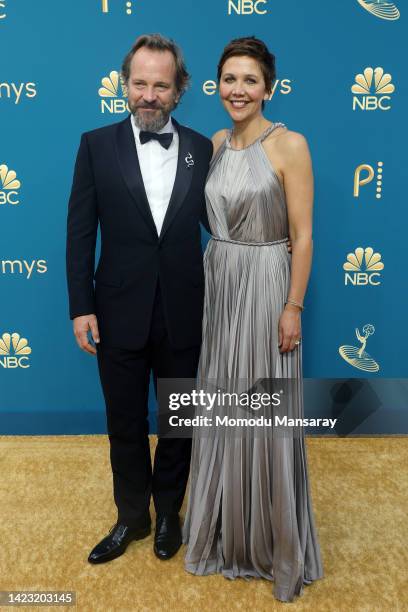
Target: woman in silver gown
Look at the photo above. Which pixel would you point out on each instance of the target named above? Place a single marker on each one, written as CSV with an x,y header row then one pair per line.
x,y
249,511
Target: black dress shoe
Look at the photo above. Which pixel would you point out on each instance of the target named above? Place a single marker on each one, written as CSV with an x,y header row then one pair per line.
x,y
116,542
167,539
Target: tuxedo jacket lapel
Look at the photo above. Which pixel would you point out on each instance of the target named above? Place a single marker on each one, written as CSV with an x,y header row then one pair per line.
x,y
130,168
184,176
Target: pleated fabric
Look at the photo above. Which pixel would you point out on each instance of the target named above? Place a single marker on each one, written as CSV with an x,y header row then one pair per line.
x,y
249,511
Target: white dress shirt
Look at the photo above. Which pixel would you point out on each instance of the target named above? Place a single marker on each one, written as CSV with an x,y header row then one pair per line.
x,y
158,167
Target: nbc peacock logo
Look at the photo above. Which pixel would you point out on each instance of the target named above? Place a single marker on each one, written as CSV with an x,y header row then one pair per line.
x,y
363,267
358,356
372,88
14,351
113,94
381,8
9,186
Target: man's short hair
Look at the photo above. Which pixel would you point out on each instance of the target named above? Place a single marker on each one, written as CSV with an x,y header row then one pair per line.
x,y
157,42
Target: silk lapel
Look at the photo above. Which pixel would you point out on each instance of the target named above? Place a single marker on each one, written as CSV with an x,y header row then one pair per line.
x,y
130,168
184,175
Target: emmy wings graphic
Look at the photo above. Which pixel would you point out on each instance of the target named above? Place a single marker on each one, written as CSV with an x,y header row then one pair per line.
x,y
357,356
381,9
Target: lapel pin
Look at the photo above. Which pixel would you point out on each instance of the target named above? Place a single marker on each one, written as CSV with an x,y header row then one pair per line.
x,y
189,160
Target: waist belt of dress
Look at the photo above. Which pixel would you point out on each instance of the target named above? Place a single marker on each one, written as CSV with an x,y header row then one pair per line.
x,y
250,243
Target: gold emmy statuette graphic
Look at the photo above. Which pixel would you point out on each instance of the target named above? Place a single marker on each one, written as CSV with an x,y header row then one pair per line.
x,y
247,7
8,186
2,6
381,9
359,182
14,351
358,357
363,271
114,89
374,85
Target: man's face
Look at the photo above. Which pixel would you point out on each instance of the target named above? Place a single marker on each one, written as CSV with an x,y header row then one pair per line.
x,y
152,93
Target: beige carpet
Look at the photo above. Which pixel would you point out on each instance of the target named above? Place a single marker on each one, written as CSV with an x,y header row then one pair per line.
x,y
56,504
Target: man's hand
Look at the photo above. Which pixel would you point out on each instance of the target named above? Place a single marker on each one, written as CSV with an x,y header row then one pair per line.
x,y
82,325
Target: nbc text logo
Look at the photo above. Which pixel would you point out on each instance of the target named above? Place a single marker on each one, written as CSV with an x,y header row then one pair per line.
x,y
247,7
363,267
364,174
371,94
12,90
17,266
381,8
113,94
2,6
358,356
14,351
283,86
8,186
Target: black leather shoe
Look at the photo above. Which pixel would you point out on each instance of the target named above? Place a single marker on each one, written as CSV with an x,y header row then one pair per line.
x,y
116,542
167,539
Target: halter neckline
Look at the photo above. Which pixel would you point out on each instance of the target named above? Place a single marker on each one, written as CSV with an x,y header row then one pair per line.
x,y
262,136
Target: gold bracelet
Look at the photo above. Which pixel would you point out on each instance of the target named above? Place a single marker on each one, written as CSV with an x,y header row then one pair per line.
x,y
295,304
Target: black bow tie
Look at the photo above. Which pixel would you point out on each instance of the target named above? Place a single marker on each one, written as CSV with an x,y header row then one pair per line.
x,y
164,139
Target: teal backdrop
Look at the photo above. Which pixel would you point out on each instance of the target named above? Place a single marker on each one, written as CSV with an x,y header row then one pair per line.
x,y
341,73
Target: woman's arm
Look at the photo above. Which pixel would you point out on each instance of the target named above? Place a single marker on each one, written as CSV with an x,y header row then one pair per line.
x,y
299,189
217,140
290,152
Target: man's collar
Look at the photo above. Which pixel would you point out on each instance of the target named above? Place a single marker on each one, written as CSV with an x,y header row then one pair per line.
x,y
168,128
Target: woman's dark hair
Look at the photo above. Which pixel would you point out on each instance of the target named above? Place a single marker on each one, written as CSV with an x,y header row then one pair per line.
x,y
252,47
157,42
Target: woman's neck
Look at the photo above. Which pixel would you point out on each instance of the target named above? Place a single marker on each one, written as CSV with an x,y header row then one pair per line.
x,y
246,132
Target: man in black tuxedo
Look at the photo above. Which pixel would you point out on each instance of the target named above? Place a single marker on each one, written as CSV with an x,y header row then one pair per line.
x,y
142,180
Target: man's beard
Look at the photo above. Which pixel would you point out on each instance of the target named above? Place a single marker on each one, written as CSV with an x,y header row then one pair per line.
x,y
152,122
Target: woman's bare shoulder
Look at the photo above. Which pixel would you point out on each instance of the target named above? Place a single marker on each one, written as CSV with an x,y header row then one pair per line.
x,y
287,143
218,138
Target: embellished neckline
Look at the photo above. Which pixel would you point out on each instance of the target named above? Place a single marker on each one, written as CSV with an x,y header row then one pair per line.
x,y
261,137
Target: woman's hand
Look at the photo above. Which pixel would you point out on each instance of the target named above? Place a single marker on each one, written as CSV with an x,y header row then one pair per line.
x,y
289,328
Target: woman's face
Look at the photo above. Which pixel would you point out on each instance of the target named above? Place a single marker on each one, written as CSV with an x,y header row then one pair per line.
x,y
242,88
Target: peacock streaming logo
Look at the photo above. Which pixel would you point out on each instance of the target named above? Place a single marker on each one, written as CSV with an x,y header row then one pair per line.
x,y
372,89
14,351
363,267
106,6
365,174
9,186
113,94
381,8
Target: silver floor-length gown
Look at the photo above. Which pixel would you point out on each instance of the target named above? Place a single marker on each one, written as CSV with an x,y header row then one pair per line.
x,y
249,510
